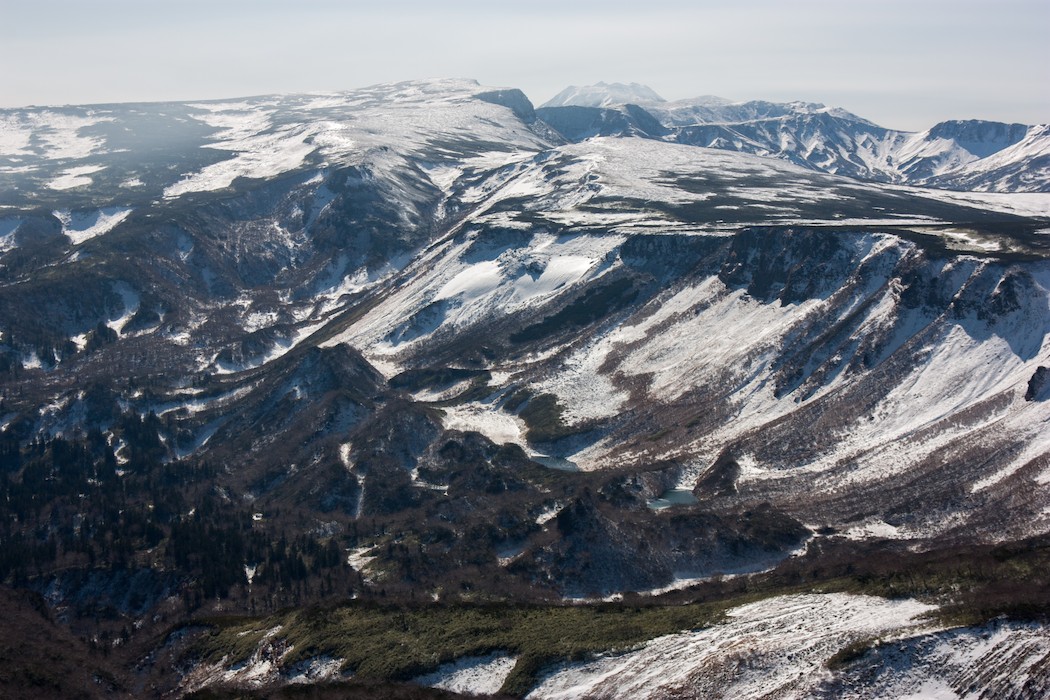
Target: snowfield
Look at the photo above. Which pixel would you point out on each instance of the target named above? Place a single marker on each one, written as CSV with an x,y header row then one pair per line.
x,y
489,420
57,134
258,155
74,177
339,129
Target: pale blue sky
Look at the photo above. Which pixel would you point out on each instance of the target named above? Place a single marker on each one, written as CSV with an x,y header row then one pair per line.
x,y
903,64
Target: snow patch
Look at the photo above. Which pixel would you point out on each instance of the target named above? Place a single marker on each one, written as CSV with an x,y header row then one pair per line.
x,y
80,226
57,134
193,404
280,348
315,670
361,558
32,361
15,135
474,675
263,665
131,302
444,176
487,419
8,229
582,388
549,513
473,282
874,528
257,320
559,272
74,177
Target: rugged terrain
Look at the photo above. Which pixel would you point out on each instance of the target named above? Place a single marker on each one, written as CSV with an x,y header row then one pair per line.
x,y
523,383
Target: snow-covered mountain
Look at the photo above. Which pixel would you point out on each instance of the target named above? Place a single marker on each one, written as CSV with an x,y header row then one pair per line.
x,y
604,95
423,342
715,110
1021,166
957,155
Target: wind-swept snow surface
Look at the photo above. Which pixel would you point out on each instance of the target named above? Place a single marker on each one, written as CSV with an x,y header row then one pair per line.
x,y
341,129
775,648
997,660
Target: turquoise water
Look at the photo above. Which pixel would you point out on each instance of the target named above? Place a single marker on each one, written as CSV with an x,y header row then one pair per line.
x,y
558,463
673,497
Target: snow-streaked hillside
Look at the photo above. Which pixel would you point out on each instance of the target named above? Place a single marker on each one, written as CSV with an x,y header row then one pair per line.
x,y
825,328
1019,167
779,648
1002,659
443,220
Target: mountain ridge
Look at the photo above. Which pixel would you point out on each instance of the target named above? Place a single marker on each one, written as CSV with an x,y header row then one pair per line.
x,y
954,154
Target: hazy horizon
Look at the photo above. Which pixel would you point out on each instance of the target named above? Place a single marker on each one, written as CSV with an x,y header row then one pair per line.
x,y
901,65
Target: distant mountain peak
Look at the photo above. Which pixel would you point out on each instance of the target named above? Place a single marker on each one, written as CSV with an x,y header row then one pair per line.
x,y
978,131
703,100
603,94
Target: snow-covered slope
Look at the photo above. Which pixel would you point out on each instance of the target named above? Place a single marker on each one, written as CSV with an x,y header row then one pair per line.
x,y
185,148
779,648
775,648
715,110
1000,659
1019,167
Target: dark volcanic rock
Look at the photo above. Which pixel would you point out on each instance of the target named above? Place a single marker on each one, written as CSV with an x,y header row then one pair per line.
x,y
1039,385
